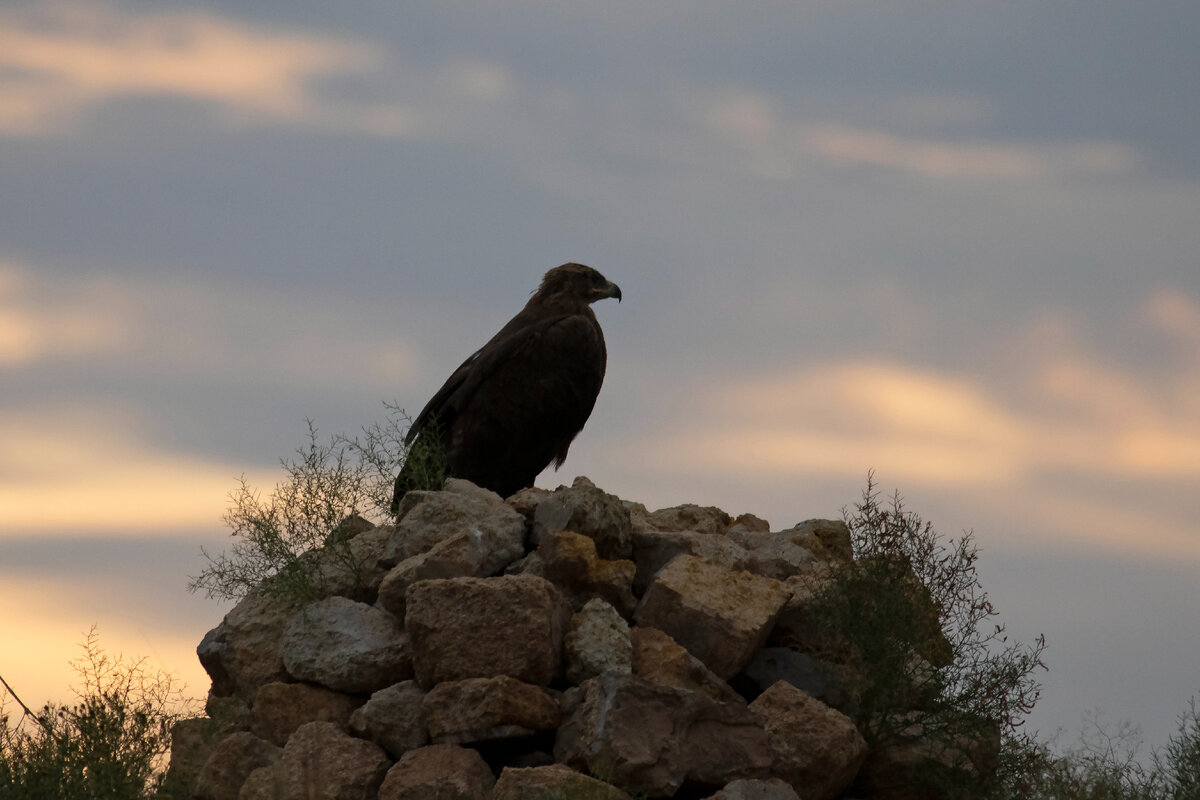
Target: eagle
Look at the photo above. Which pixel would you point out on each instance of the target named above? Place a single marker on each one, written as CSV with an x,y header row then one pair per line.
x,y
518,402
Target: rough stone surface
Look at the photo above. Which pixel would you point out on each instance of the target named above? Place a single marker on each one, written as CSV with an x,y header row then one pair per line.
x,y
425,518
829,539
776,555
438,772
687,517
569,560
231,762
721,616
585,509
821,680
773,789
280,708
321,760
815,748
479,709
346,645
483,550
650,738
482,627
554,782
242,653
659,659
597,641
654,549
192,742
394,718
351,568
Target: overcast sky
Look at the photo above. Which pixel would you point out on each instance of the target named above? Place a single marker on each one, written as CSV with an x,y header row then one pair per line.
x,y
956,243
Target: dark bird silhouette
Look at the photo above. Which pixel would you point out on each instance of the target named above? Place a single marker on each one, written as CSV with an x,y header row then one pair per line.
x,y
517,403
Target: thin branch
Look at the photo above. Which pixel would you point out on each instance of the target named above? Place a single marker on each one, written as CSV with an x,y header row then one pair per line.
x,y
21,703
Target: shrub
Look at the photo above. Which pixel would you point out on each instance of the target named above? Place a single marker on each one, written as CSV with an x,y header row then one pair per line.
x,y
110,745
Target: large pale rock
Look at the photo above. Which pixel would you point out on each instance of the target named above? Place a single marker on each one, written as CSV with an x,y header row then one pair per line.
x,y
554,782
231,762
584,509
828,539
659,659
598,641
816,749
280,708
482,627
321,760
426,518
570,562
350,566
687,517
649,738
776,555
481,709
721,616
441,771
394,718
482,550
242,653
745,789
654,549
346,646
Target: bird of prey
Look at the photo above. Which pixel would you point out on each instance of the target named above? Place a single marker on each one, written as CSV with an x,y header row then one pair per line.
x,y
517,403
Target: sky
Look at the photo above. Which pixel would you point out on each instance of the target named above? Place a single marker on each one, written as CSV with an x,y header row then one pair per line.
x,y
953,243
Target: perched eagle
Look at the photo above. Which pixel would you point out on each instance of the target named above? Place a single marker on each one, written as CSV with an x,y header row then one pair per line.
x,y
517,403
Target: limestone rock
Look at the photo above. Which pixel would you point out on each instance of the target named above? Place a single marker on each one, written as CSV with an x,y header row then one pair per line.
x,y
654,549
321,760
829,539
721,616
775,555
659,659
651,738
745,789
231,762
553,782
442,771
192,741
821,680
242,653
346,645
480,709
482,549
351,567
584,509
482,627
526,501
393,718
280,708
569,560
597,641
816,749
426,518
687,517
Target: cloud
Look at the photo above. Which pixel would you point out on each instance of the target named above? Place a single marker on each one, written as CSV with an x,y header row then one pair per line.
x,y
60,59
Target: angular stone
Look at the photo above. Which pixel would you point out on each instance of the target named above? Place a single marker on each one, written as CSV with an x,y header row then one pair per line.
x,y
650,738
721,616
481,709
800,625
598,641
773,789
659,659
351,567
570,562
280,708
322,760
242,653
775,555
816,749
346,646
442,771
393,718
483,550
526,501
426,518
482,627
654,549
687,517
554,782
829,539
584,509
231,762
819,679
192,741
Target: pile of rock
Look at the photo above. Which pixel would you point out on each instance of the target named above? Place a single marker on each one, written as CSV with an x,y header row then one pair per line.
x,y
558,644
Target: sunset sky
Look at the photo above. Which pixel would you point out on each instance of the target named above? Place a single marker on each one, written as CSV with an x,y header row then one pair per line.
x,y
955,243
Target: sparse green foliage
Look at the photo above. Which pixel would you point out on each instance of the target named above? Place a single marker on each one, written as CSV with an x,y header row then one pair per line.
x,y
110,745
327,485
909,621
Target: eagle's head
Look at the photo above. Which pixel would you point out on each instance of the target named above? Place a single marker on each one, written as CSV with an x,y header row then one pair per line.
x,y
578,282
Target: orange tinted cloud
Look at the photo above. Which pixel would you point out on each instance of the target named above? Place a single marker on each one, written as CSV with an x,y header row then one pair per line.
x,y
61,58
